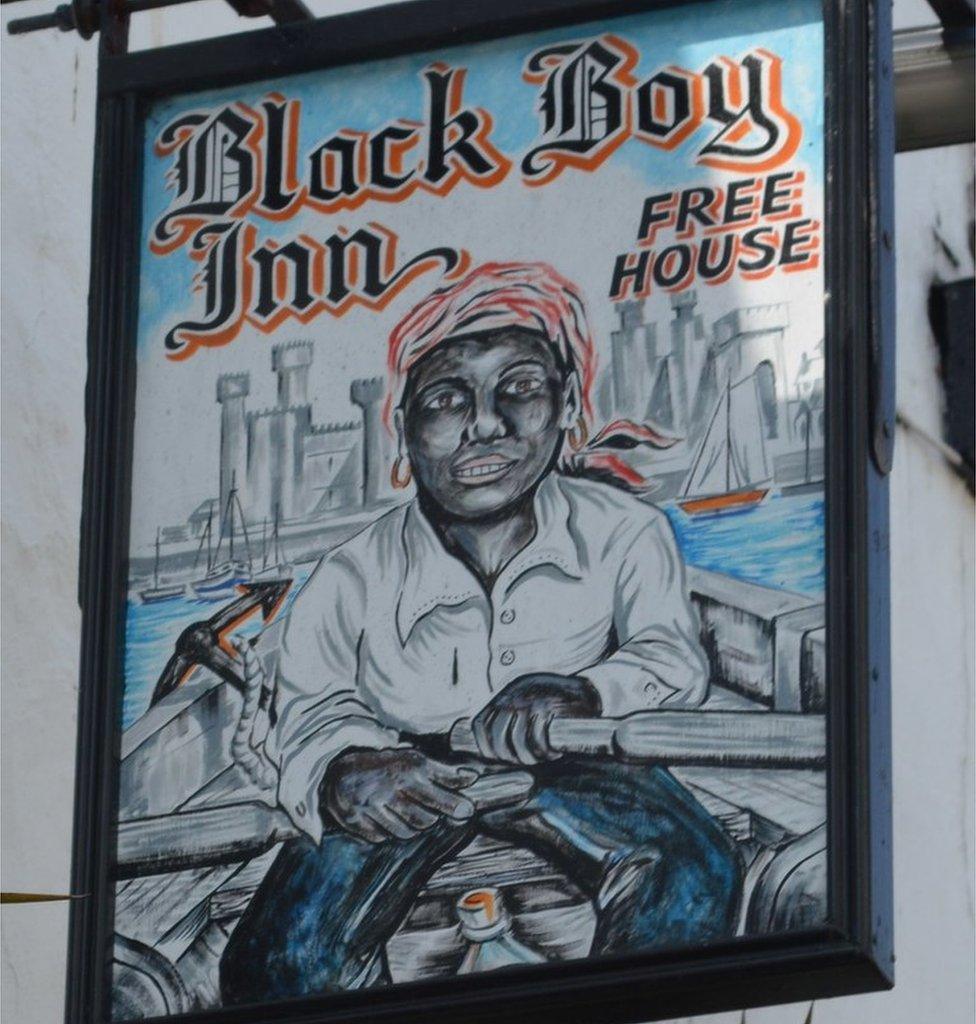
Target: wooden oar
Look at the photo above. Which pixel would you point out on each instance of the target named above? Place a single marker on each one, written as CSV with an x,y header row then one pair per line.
x,y
723,739
234,832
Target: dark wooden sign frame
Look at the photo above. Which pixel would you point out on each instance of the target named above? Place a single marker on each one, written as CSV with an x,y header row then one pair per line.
x,y
853,953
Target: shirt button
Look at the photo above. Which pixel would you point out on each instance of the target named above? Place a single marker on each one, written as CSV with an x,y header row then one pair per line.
x,y
507,657
507,616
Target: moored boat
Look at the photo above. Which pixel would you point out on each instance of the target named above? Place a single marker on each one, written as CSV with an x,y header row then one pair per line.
x,y
160,591
731,501
223,577
730,472
221,581
274,564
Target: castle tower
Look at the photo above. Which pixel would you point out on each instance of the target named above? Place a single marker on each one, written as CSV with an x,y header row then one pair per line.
x,y
274,462
633,362
292,422
751,341
689,351
626,368
261,485
291,361
368,395
232,392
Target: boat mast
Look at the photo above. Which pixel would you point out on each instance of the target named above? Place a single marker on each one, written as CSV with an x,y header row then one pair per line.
x,y
728,434
156,562
279,551
806,445
229,513
240,510
701,450
204,536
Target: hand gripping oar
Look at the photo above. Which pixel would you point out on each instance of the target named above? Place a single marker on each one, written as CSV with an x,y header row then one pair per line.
x,y
228,834
726,739
205,643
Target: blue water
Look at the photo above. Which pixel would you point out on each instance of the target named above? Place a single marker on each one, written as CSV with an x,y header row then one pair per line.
x,y
779,544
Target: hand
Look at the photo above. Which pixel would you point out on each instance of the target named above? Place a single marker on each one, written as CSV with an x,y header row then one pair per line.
x,y
394,794
514,727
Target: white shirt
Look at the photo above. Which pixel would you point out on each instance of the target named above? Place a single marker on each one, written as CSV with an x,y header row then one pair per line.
x,y
391,632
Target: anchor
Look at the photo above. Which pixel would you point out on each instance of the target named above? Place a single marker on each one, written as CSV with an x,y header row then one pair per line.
x,y
206,642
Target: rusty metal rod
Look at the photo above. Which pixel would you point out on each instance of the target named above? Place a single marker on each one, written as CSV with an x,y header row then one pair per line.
x,y
65,17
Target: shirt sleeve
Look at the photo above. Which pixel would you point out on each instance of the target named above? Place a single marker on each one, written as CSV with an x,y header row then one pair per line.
x,y
659,661
321,710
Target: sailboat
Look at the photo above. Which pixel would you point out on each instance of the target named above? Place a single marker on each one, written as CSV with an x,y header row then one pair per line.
x,y
730,471
276,566
223,577
160,591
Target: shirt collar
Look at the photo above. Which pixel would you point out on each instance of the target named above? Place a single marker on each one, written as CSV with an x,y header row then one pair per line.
x,y
434,577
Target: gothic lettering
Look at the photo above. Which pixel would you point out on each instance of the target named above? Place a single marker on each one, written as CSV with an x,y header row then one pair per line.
x,y
669,108
584,103
238,165
746,100
212,176
263,285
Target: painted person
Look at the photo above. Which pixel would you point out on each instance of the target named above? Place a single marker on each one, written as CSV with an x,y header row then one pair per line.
x,y
510,590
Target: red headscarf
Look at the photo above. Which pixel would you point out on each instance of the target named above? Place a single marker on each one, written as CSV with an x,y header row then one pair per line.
x,y
534,296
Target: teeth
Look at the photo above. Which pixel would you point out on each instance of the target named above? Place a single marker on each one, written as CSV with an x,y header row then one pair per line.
x,y
475,471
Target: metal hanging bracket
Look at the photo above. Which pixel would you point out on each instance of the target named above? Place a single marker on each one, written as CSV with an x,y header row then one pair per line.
x,y
85,16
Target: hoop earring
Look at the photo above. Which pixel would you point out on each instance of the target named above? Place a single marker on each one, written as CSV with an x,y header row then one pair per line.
x,y
578,434
395,479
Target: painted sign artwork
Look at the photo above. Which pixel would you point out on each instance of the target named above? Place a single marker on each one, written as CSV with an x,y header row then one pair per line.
x,y
476,599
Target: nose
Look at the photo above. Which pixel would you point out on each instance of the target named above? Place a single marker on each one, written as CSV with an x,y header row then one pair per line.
x,y
486,423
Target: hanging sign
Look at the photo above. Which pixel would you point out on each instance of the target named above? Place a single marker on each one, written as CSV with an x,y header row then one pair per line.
x,y
480,615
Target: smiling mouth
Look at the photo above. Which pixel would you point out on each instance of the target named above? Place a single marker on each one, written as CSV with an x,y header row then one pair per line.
x,y
483,470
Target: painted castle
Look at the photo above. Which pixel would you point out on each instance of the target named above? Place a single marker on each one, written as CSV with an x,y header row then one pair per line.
x,y
674,378
284,466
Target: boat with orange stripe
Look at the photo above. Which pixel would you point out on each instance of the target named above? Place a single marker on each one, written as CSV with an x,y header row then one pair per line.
x,y
730,471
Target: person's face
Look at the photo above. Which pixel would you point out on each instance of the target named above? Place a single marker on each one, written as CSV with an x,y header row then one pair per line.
x,y
483,418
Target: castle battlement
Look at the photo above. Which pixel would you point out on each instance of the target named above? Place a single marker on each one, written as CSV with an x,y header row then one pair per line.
x,y
233,385
752,320
334,428
686,299
631,313
367,390
276,412
287,355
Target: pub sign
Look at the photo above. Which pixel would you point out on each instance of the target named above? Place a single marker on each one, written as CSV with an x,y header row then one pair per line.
x,y
485,574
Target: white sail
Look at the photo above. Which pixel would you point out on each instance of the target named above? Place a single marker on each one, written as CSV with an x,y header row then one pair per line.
x,y
732,454
746,435
709,470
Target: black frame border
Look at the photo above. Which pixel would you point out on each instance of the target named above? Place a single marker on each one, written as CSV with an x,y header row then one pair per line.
x,y
854,952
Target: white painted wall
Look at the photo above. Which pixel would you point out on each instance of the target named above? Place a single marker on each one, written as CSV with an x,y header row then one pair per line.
x,y
47,131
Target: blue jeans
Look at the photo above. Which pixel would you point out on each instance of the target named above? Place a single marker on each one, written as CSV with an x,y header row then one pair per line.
x,y
659,870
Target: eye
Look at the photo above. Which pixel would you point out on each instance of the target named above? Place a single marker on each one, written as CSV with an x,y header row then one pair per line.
x,y
447,400
522,387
